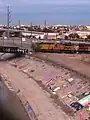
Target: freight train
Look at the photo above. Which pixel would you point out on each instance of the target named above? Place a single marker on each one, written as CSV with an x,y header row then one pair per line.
x,y
67,47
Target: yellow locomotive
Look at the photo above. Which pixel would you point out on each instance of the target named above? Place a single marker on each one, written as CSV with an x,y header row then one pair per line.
x,y
57,46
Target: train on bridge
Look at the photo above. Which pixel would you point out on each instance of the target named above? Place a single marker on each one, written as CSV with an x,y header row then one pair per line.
x,y
58,46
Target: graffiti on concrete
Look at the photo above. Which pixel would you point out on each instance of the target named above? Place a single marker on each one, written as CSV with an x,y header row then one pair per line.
x,y
30,112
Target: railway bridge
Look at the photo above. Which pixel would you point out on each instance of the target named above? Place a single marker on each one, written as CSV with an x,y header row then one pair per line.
x,y
13,49
14,45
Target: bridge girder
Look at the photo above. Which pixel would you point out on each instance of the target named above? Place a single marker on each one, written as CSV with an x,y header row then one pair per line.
x,y
16,50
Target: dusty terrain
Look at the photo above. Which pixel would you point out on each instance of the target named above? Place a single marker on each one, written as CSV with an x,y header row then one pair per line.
x,y
39,99
51,77
38,80
84,58
67,62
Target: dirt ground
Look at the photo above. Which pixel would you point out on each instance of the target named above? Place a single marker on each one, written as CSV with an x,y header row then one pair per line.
x,y
38,80
51,77
84,58
39,99
64,60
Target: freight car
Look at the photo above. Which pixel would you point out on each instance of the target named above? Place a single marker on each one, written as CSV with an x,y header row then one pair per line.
x,y
67,47
84,48
54,47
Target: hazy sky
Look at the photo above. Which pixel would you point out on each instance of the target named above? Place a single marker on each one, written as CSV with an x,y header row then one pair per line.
x,y
43,5
55,11
29,2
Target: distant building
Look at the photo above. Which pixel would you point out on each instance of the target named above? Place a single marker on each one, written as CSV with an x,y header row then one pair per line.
x,y
88,27
40,37
82,34
51,36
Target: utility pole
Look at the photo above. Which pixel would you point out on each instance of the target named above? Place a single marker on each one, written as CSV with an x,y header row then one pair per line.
x,y
45,24
30,42
8,21
31,29
3,37
20,32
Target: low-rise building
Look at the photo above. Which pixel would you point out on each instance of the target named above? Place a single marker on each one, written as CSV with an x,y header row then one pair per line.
x,y
51,36
88,27
82,34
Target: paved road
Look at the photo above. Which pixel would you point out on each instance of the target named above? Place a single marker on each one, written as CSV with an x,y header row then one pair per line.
x,y
39,99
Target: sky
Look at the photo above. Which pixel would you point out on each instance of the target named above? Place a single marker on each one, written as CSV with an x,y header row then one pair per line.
x,y
25,5
76,10
41,2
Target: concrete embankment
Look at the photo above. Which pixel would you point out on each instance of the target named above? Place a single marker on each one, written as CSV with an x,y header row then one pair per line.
x,y
63,61
10,104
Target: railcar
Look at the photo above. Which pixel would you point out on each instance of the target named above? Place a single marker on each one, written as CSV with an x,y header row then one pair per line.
x,y
88,48
67,47
54,47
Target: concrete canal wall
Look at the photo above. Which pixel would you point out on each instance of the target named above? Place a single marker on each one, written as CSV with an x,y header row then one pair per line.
x,y
14,105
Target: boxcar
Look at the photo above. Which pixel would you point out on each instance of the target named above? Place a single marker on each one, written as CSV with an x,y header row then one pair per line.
x,y
83,48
